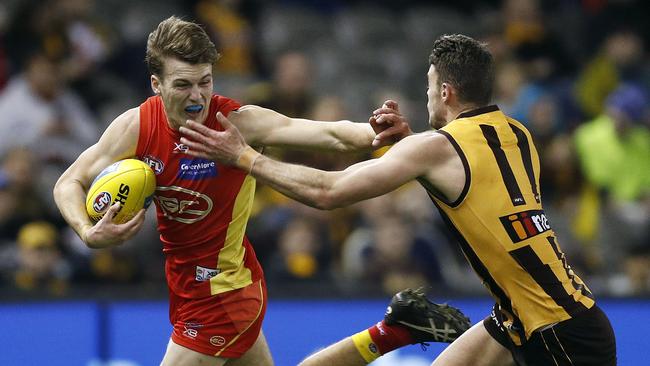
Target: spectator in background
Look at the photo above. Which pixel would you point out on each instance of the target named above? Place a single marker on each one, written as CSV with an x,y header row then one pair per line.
x,y
542,56
4,59
91,43
397,259
8,204
613,151
35,265
232,33
614,147
68,31
20,176
620,59
41,114
302,254
290,90
391,246
509,78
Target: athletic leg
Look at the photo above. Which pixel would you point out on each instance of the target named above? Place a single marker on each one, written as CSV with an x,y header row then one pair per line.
x,y
342,353
259,355
178,355
475,347
410,318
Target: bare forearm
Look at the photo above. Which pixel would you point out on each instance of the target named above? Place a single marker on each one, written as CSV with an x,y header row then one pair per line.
x,y
68,195
304,184
352,136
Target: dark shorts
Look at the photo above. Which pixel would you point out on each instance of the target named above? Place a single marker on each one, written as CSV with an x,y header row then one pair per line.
x,y
585,340
225,325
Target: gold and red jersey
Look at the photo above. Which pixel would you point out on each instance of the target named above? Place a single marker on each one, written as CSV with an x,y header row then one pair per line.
x,y
202,207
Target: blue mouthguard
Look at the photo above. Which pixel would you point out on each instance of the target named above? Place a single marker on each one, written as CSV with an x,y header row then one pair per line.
x,y
194,108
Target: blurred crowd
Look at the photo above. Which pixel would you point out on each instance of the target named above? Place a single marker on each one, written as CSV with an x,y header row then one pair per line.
x,y
577,73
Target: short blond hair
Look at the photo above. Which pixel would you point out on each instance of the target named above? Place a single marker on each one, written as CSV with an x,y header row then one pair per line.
x,y
183,40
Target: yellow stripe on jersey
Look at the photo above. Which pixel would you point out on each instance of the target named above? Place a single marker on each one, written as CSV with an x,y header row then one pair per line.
x,y
233,274
501,226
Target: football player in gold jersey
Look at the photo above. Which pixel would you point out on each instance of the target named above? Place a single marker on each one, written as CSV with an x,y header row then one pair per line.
x,y
481,170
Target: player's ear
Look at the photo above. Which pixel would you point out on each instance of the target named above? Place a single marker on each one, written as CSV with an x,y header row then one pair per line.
x,y
155,84
444,91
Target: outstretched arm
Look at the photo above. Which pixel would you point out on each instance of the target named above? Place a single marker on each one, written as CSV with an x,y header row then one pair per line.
x,y
265,127
408,159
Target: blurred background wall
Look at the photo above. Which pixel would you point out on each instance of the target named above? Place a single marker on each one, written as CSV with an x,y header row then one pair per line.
x,y
128,333
576,72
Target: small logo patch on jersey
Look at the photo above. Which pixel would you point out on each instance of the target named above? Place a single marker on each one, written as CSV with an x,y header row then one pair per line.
x,y
217,341
204,274
190,333
180,148
156,164
182,204
196,169
523,225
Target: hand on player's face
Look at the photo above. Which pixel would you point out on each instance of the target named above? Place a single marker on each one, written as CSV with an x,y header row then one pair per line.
x,y
106,233
389,124
221,146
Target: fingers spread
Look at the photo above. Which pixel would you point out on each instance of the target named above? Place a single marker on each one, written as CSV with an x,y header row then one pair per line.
x,y
194,135
202,129
193,145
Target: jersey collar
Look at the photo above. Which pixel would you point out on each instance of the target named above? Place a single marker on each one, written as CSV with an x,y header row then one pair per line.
x,y
477,111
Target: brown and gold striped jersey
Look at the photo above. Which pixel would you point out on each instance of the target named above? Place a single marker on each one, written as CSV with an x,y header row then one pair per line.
x,y
501,226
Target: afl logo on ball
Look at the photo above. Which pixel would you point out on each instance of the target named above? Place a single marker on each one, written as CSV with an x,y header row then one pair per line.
x,y
102,201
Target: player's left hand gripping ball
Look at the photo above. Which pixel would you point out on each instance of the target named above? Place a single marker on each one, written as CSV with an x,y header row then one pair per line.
x,y
130,182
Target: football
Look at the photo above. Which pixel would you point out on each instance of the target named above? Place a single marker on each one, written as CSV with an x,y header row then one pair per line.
x,y
130,182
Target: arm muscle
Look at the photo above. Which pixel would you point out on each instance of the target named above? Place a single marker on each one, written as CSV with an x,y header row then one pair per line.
x,y
414,156
265,127
118,142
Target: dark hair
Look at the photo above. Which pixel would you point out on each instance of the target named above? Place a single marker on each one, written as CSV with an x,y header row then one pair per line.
x,y
181,39
466,64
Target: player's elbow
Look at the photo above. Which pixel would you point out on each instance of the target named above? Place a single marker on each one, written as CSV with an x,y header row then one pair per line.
x,y
328,200
58,187
341,146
